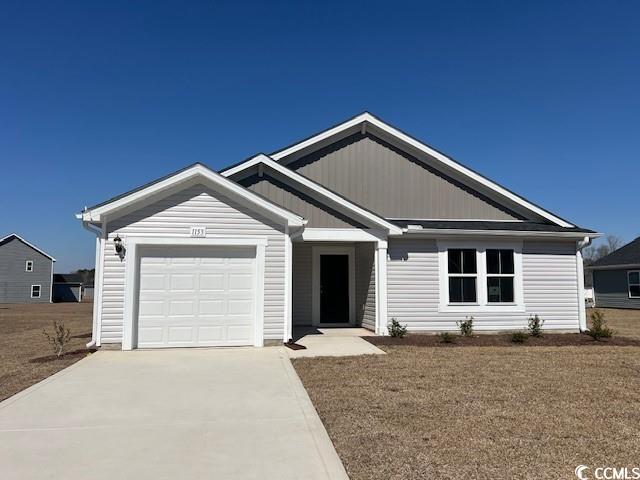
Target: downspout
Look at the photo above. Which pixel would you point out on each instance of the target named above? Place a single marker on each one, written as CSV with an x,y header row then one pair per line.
x,y
582,312
98,233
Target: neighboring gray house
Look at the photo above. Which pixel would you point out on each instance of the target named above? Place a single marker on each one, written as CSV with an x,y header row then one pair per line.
x,y
353,226
616,278
67,287
25,272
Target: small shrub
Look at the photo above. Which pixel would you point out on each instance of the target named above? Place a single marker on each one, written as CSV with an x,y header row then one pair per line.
x,y
59,339
397,330
447,337
535,326
466,327
599,327
519,337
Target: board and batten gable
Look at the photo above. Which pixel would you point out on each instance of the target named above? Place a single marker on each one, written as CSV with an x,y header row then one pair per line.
x,y
172,217
15,281
611,289
549,279
280,193
376,175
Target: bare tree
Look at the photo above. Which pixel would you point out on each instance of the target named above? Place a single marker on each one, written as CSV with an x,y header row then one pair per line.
x,y
593,253
613,242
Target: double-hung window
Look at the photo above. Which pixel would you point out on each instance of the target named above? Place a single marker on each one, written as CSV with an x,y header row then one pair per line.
x,y
500,276
633,281
463,275
482,276
28,266
35,291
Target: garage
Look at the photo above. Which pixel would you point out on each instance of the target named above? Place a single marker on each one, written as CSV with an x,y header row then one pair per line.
x,y
196,296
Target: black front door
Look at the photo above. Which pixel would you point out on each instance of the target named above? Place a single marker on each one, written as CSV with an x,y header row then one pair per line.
x,y
334,288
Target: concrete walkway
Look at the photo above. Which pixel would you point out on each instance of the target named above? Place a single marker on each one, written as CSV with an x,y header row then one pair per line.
x,y
333,342
170,414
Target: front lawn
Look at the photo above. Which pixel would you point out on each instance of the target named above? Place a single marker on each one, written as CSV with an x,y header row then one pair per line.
x,y
479,412
25,354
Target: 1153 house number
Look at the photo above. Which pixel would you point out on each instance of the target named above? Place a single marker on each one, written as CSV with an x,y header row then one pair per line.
x,y
198,231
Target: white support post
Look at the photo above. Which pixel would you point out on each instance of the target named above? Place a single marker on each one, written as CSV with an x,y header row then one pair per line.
x,y
288,283
381,288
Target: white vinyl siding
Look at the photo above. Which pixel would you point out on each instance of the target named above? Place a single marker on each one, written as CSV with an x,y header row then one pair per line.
x,y
550,288
172,217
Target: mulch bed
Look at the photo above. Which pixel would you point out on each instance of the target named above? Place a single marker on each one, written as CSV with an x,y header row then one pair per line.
x,y
504,340
65,356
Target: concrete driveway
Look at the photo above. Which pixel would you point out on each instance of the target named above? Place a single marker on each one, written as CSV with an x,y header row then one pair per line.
x,y
170,414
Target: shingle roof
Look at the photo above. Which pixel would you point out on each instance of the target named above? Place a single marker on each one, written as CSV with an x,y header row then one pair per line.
x,y
627,255
67,278
481,225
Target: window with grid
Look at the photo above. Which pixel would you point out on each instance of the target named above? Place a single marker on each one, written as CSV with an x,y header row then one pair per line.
x,y
28,266
633,279
463,275
35,291
500,276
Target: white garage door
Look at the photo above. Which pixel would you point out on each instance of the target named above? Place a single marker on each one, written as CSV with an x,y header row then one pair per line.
x,y
196,296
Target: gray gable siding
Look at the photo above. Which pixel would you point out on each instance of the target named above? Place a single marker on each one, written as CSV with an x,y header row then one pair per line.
x,y
392,183
15,281
611,289
318,215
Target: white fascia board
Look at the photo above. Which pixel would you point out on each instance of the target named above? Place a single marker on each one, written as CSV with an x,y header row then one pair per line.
x,y
96,214
318,189
435,232
340,235
29,244
397,134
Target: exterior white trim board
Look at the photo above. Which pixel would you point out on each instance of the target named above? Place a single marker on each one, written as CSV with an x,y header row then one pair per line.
x,y
193,173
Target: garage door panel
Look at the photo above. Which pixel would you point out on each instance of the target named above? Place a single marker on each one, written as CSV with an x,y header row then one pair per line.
x,y
196,297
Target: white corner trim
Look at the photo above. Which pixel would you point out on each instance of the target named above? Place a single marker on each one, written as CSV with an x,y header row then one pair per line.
x,y
27,243
482,304
195,172
582,311
403,137
317,189
315,281
132,261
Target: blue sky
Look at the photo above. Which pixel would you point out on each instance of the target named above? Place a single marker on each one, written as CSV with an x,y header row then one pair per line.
x,y
99,97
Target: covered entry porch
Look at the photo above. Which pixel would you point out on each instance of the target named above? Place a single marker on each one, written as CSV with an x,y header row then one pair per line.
x,y
338,284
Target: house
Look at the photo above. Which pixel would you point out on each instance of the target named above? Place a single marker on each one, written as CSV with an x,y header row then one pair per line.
x,y
25,271
616,278
353,226
67,287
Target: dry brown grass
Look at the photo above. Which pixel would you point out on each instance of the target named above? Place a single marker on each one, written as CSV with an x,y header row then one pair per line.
x,y
23,346
625,322
479,412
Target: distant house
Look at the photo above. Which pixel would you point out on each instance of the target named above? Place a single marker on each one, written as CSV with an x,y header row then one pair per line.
x,y
26,272
67,287
616,278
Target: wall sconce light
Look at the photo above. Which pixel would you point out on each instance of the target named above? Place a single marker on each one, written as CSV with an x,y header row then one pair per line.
x,y
118,244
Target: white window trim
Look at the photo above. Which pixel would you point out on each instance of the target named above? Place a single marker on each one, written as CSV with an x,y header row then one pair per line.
x,y
27,264
482,304
315,299
39,291
132,267
629,272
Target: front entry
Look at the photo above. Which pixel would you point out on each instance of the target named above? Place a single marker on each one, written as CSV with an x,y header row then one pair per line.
x,y
334,286
334,289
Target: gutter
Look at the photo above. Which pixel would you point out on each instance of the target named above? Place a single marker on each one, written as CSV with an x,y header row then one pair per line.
x,y
582,311
97,232
416,230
